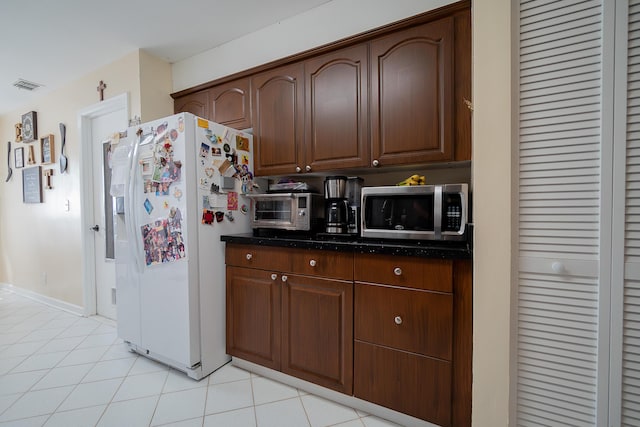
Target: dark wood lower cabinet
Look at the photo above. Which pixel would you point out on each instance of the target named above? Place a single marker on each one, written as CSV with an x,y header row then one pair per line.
x,y
407,382
317,331
394,331
253,316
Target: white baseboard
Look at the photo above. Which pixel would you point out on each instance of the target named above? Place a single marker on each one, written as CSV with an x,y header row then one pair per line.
x,y
62,305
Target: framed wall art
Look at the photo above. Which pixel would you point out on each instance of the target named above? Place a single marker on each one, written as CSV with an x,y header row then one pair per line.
x,y
46,149
32,185
29,126
19,157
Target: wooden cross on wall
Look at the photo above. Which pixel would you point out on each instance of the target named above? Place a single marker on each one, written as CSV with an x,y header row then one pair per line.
x,y
101,87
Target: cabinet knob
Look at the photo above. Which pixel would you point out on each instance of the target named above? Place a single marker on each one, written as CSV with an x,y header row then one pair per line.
x,y
298,169
248,256
307,168
397,271
284,278
375,163
312,263
398,320
557,267
274,276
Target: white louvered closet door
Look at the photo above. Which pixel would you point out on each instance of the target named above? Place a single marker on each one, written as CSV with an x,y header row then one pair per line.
x,y
630,366
558,350
578,297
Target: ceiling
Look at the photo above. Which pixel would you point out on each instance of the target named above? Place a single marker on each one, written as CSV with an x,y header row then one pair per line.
x,y
53,43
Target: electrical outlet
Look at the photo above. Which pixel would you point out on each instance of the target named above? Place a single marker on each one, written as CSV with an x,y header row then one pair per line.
x,y
113,296
66,205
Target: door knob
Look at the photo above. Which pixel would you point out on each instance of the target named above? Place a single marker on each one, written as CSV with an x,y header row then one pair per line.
x,y
96,227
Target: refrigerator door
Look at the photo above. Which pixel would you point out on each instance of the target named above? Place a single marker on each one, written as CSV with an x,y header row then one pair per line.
x,y
158,289
224,172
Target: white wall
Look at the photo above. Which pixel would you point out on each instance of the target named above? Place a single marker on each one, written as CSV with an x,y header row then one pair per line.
x,y
329,22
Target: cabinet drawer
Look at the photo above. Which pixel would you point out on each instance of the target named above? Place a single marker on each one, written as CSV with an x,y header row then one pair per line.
x,y
405,382
411,320
412,272
271,258
338,265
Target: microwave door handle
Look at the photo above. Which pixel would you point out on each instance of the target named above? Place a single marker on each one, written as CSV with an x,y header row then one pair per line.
x,y
387,207
437,212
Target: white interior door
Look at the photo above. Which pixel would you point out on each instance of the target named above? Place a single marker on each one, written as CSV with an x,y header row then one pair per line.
x,y
98,123
102,129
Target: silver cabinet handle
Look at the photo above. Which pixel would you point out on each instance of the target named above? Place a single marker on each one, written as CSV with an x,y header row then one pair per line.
x,y
312,263
376,163
284,278
298,169
307,168
274,276
248,256
398,320
397,271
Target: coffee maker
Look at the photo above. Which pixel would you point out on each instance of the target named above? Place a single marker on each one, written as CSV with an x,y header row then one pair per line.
x,y
352,194
336,205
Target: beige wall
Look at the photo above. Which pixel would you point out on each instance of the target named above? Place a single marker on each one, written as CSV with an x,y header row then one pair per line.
x,y
38,240
155,87
493,210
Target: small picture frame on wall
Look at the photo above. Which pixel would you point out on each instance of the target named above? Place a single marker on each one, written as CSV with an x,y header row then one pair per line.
x,y
19,157
29,126
46,149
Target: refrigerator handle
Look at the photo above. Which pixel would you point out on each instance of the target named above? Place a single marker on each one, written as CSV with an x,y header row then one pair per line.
x,y
134,238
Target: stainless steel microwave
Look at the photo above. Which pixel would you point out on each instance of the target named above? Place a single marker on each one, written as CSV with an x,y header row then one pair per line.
x,y
420,212
287,211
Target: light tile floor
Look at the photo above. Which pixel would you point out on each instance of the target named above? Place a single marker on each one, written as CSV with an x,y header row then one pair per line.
x,y
59,369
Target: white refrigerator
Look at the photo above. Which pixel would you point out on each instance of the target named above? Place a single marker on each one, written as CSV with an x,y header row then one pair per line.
x,y
182,181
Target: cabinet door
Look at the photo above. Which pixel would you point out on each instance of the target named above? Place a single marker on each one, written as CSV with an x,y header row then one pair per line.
x,y
253,316
317,334
336,114
277,99
231,104
411,95
196,103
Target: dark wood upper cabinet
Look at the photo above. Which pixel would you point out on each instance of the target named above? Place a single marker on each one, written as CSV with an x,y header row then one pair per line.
x,y
412,75
230,104
278,119
398,95
195,103
336,117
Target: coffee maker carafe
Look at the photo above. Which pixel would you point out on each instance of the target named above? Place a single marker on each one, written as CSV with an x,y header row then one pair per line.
x,y
352,194
336,204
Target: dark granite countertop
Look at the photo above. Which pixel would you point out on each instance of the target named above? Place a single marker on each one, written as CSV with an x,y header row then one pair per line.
x,y
426,249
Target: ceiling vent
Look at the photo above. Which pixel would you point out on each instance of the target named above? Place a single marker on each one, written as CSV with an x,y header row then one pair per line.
x,y
26,85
